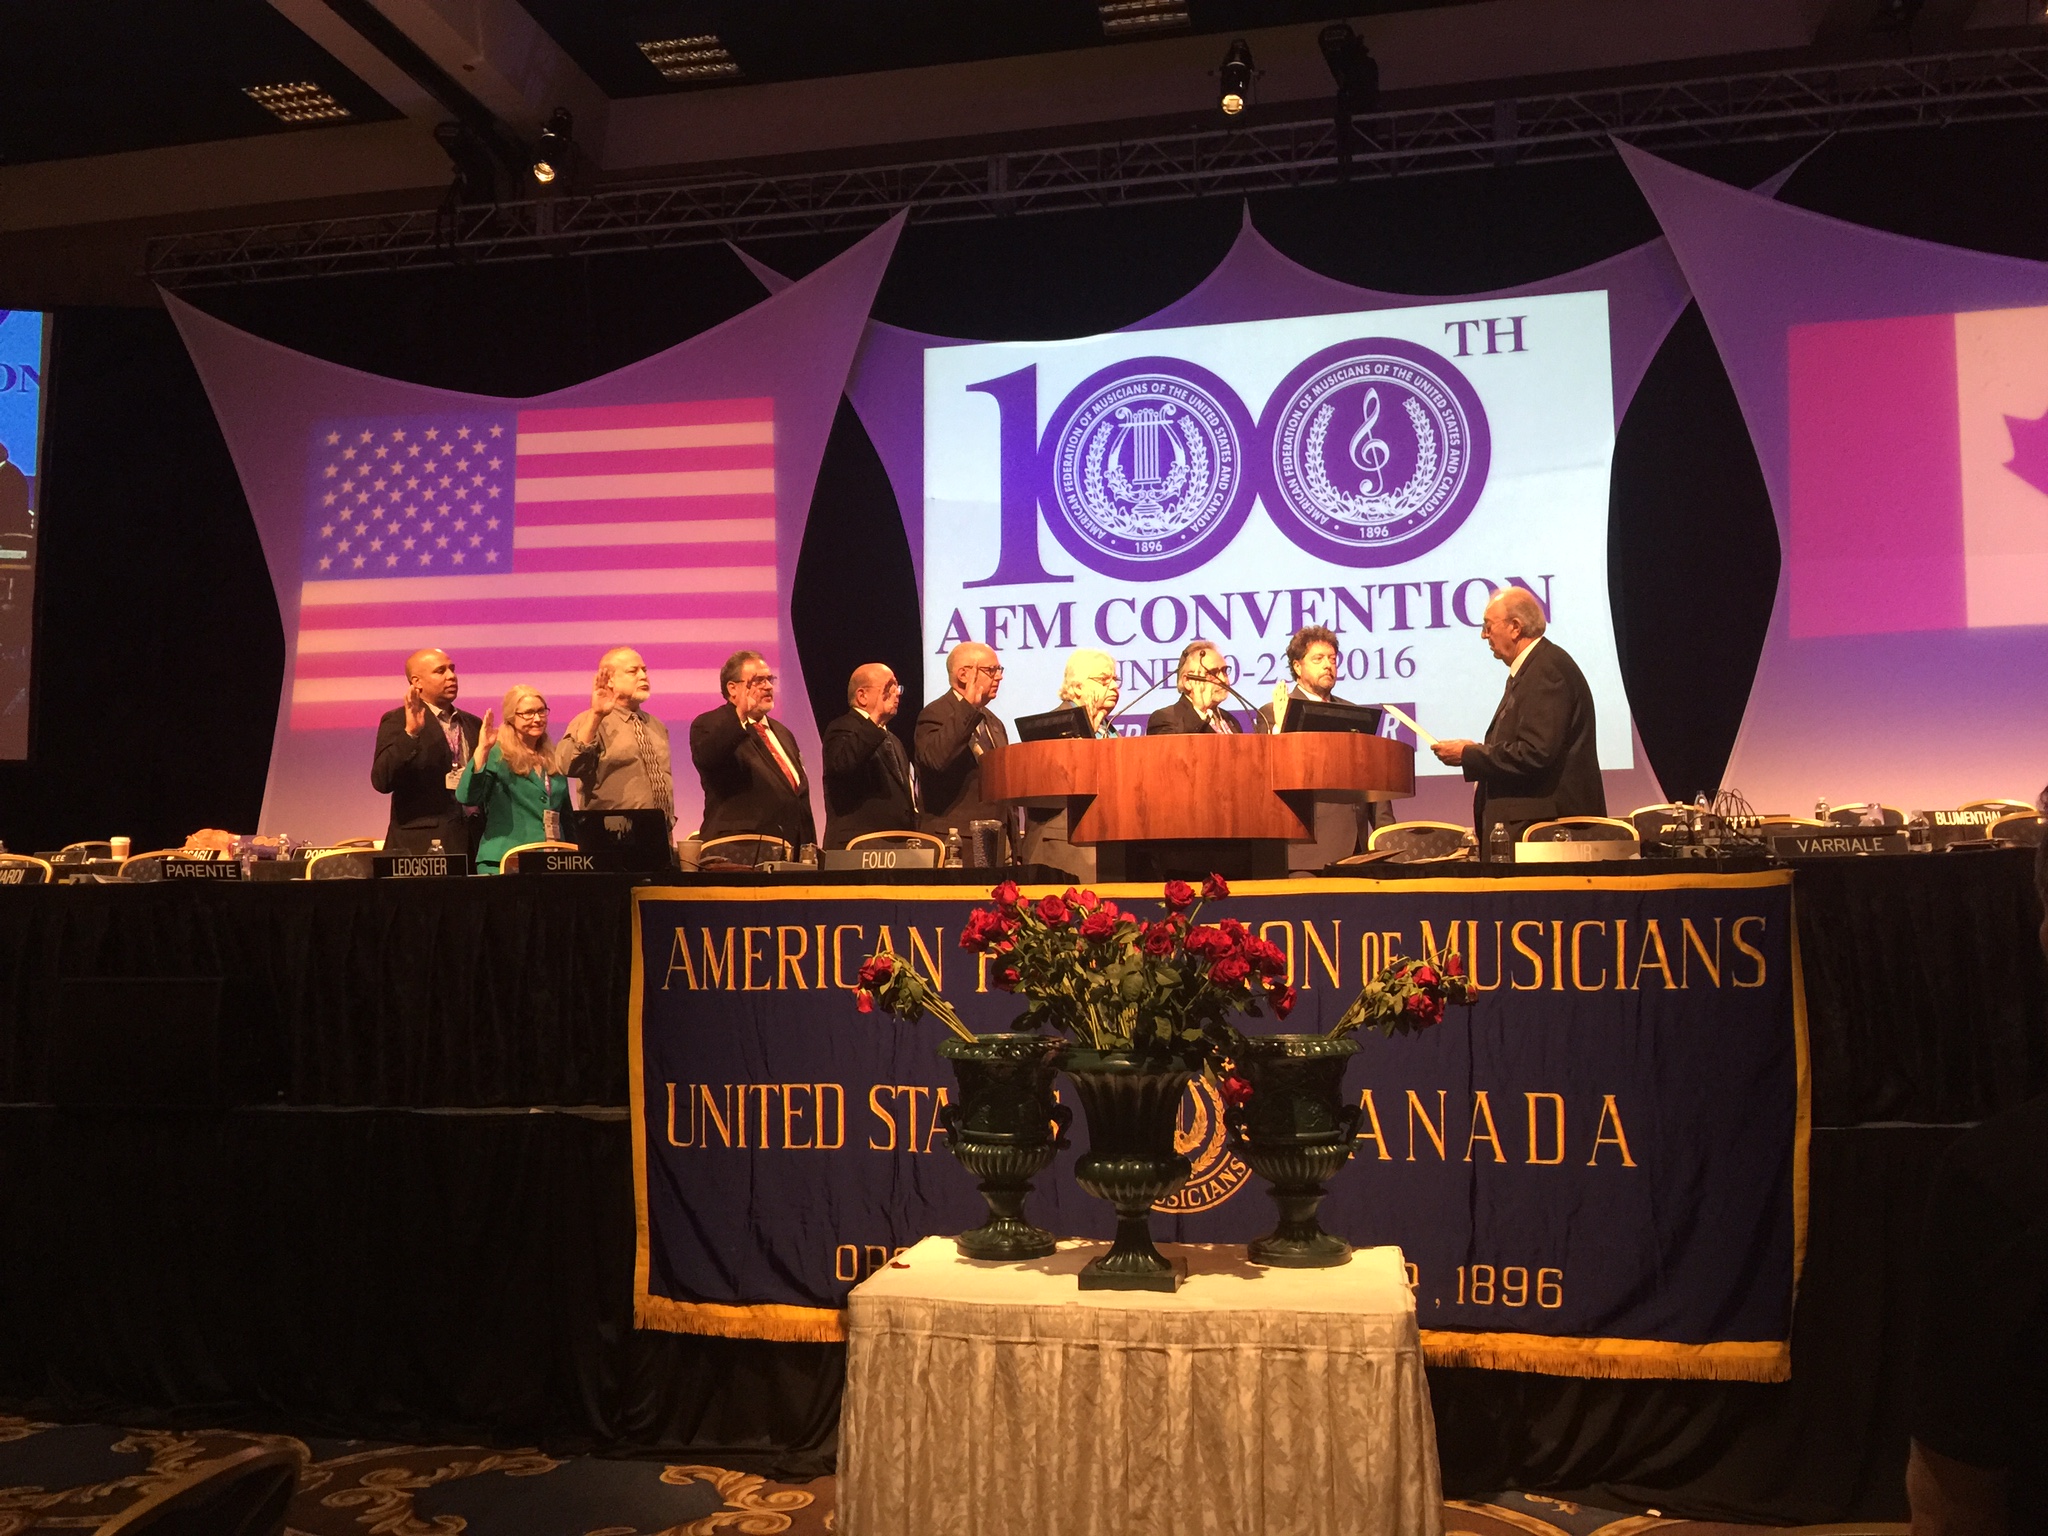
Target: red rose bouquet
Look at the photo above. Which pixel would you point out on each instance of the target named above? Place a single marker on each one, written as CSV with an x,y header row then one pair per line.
x,y
1408,996
1114,980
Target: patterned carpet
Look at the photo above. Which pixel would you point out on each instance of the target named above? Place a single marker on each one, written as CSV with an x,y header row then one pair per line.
x,y
74,1477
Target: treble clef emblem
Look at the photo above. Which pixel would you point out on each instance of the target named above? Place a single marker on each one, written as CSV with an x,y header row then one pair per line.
x,y
1367,451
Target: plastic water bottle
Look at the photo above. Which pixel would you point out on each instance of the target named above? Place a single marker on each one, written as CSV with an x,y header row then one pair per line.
x,y
1820,810
954,858
435,846
1498,850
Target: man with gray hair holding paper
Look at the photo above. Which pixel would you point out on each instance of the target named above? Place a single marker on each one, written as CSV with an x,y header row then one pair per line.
x,y
1540,759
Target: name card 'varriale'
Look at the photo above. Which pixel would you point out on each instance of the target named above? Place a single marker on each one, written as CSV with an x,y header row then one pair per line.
x,y
1598,1169
418,866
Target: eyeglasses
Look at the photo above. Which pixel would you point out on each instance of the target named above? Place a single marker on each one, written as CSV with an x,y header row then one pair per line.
x,y
763,677
1106,680
531,714
991,671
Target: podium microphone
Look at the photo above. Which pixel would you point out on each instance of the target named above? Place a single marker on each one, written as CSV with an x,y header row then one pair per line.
x,y
1124,709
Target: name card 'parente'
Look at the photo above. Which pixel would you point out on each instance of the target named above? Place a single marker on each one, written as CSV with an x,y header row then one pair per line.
x,y
199,869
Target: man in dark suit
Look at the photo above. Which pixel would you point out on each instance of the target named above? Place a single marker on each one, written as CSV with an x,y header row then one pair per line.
x,y
868,782
421,747
1199,710
1342,826
750,767
1540,759
954,732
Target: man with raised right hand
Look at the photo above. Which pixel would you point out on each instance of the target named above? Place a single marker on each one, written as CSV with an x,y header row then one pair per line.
x,y
954,732
619,751
421,747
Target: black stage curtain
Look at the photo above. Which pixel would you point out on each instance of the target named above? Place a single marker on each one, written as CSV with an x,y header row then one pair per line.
x,y
400,1274
433,1262
434,1277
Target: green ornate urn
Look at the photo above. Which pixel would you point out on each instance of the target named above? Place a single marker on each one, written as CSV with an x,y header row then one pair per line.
x,y
1005,1128
1296,1132
1131,1105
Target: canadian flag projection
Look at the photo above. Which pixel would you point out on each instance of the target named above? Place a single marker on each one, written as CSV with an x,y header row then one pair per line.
x,y
1919,473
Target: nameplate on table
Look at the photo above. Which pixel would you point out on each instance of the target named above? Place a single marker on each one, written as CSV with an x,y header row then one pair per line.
x,y
1946,827
1836,842
417,866
879,858
199,869
571,861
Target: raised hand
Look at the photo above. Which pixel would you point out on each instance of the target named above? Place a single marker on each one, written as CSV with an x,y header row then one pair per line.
x,y
602,700
415,710
484,736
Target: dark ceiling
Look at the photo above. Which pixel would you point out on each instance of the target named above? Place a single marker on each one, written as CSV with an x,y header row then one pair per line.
x,y
94,77
807,39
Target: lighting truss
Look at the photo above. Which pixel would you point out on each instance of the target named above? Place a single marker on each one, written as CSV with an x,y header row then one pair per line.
x,y
1299,151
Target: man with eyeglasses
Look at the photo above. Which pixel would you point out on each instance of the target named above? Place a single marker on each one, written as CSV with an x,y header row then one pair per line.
x,y
1090,681
750,766
954,732
1203,677
616,749
869,784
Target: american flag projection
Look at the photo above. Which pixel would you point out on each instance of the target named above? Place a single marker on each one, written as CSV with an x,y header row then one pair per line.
x,y
527,543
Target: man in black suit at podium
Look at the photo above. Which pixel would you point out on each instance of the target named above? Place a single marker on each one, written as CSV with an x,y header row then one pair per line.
x,y
954,732
1540,759
421,747
750,766
868,782
1202,676
1342,826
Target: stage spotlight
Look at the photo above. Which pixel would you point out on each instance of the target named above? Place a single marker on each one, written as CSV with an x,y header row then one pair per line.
x,y
1236,79
557,143
1352,66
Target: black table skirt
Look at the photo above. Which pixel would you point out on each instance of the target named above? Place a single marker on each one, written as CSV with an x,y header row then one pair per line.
x,y
395,1246
1925,989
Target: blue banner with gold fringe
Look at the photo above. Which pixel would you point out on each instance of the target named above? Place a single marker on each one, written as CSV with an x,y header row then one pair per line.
x,y
1598,1169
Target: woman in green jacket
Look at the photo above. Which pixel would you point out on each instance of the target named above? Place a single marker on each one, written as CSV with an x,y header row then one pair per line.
x,y
512,779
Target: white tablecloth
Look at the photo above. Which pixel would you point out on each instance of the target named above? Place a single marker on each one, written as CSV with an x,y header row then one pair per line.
x,y
986,1399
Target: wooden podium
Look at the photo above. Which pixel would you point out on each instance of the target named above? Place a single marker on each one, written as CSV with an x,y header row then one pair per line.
x,y
1156,805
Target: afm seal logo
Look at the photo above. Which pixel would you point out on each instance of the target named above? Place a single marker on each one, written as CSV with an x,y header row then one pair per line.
x,y
1198,1136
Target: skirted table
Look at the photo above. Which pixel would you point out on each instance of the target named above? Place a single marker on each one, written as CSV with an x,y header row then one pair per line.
x,y
984,1399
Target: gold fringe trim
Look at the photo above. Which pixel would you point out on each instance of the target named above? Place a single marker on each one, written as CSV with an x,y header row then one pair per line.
x,y
784,1324
1637,1359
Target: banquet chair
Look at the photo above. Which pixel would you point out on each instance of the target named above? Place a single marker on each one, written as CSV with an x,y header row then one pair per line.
x,y
744,850
1420,842
903,839
2003,807
247,1493
25,869
342,863
2023,827
150,866
79,853
1854,813
1581,838
508,862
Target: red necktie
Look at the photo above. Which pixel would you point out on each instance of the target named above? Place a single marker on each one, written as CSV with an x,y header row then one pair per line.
x,y
775,751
